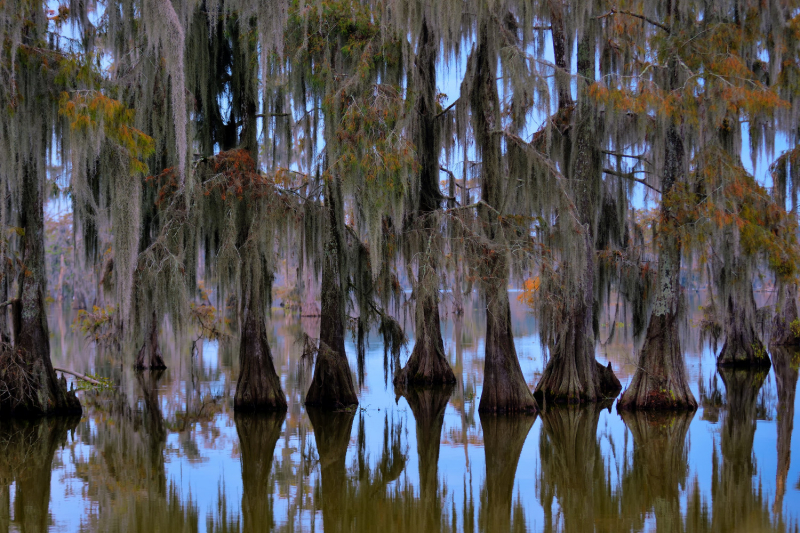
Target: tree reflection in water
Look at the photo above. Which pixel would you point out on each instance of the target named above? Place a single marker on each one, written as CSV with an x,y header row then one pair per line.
x,y
573,470
27,449
651,484
738,502
258,435
428,406
503,438
348,470
785,362
125,477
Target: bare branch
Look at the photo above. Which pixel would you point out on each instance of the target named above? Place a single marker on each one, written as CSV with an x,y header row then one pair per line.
x,y
82,377
615,11
630,176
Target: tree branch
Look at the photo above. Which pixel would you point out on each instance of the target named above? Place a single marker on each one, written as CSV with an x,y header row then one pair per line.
x,y
448,108
636,15
630,156
79,376
630,176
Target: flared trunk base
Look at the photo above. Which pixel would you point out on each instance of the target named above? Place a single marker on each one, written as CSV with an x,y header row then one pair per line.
x,y
504,387
427,366
258,387
743,351
572,374
659,383
31,389
332,384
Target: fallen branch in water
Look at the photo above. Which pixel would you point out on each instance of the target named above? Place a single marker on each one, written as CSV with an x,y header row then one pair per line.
x,y
80,376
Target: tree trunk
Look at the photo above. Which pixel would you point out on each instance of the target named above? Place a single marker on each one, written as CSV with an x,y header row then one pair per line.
x,y
332,436
28,384
786,317
504,387
258,387
332,384
572,374
653,484
427,364
503,439
5,504
258,435
785,363
573,470
660,379
27,461
742,346
150,352
5,329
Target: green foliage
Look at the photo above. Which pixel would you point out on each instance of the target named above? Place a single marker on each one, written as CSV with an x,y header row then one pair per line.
x,y
105,384
794,327
97,324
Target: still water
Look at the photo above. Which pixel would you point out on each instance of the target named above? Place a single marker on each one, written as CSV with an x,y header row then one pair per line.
x,y
165,452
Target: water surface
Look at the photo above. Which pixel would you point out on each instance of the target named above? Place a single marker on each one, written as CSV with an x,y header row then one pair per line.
x,y
165,452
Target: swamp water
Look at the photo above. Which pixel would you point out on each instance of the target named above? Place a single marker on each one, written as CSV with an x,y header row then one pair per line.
x,y
165,452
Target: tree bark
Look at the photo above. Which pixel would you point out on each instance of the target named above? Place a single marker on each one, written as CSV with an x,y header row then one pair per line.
x,y
258,435
258,387
504,387
28,384
427,364
332,384
332,436
742,346
660,379
503,439
785,363
150,353
572,374
785,316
